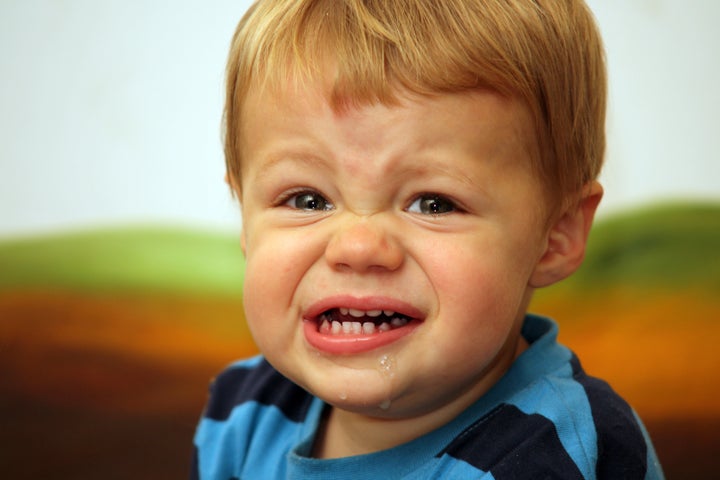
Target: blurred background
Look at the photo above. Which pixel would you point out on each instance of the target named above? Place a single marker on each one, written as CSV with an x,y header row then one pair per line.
x,y
120,272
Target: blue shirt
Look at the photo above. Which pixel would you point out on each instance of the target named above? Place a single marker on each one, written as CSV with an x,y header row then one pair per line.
x,y
545,418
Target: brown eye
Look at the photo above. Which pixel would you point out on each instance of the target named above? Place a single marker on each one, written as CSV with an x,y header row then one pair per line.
x,y
432,205
309,201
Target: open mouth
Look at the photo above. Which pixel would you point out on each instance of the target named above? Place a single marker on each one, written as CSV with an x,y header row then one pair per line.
x,y
349,321
348,325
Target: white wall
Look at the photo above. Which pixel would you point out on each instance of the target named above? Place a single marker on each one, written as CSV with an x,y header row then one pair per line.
x,y
110,110
664,114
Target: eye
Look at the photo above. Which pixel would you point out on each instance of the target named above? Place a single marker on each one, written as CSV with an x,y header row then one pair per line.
x,y
431,204
308,200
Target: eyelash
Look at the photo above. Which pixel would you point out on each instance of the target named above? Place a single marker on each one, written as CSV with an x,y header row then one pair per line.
x,y
286,198
451,206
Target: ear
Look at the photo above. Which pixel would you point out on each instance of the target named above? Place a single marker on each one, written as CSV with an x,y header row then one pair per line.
x,y
566,240
230,183
235,190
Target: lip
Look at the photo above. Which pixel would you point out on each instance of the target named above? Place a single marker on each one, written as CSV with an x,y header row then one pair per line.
x,y
348,344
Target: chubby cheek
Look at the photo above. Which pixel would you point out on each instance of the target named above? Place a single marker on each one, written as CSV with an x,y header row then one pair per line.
x,y
480,300
272,274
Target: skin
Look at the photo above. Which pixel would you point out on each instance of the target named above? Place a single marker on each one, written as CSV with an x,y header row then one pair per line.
x,y
429,207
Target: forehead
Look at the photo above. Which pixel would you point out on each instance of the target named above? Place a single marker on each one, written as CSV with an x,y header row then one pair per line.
x,y
301,105
469,137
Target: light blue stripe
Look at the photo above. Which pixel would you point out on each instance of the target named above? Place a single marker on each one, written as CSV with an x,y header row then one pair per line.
x,y
654,469
259,439
563,401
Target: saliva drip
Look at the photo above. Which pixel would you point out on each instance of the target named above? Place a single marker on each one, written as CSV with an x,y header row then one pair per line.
x,y
387,366
387,371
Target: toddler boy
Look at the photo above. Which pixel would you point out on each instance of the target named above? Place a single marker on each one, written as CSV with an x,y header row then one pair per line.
x,y
410,171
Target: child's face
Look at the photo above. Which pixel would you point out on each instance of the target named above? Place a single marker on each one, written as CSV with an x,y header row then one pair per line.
x,y
421,223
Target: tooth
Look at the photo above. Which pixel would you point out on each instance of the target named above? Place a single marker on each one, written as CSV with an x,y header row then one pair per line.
x,y
384,327
398,322
325,326
373,313
336,328
389,313
343,311
356,328
368,328
356,313
347,327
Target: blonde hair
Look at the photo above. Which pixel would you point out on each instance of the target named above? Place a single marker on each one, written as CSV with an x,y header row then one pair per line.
x,y
547,53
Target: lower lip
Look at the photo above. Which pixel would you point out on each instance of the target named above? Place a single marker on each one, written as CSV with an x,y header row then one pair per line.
x,y
344,344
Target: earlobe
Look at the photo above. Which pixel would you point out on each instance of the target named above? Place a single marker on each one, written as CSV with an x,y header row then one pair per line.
x,y
242,242
567,239
233,185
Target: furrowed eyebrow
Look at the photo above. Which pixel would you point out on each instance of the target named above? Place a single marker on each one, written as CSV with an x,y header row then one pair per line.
x,y
420,168
431,170
277,159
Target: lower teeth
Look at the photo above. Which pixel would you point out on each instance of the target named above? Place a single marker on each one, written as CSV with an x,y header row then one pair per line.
x,y
356,328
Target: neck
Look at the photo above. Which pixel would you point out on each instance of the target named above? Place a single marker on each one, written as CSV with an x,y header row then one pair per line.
x,y
345,433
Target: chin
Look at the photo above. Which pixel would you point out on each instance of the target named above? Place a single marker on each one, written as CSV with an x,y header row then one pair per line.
x,y
353,389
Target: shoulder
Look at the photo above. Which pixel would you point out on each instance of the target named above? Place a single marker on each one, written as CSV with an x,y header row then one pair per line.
x,y
596,425
253,418
548,419
512,444
623,447
569,428
255,381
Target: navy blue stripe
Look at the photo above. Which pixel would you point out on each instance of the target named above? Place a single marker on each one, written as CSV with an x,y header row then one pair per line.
x,y
262,384
513,445
622,451
195,468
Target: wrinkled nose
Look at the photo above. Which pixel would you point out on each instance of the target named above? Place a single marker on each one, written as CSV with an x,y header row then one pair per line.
x,y
363,246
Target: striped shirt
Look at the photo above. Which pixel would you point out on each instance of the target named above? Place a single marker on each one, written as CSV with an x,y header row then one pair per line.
x,y
545,418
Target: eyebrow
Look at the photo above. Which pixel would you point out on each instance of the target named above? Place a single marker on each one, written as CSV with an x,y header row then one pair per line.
x,y
434,169
289,156
417,168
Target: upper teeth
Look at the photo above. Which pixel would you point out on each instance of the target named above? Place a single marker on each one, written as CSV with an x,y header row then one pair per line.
x,y
334,327
362,313
350,321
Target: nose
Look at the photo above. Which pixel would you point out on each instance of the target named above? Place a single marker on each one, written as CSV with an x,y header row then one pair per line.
x,y
363,246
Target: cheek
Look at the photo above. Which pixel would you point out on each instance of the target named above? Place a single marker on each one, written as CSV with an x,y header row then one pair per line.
x,y
257,290
276,266
488,278
267,288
